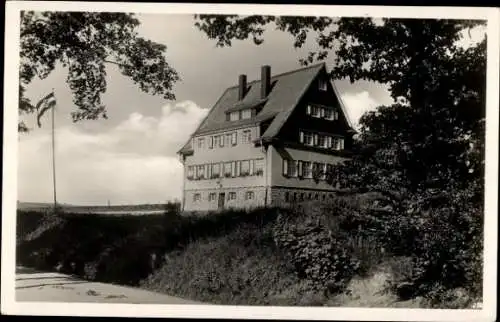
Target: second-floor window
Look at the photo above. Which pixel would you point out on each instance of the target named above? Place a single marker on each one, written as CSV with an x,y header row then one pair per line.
x,y
190,172
227,169
201,143
231,196
212,196
245,168
215,170
306,138
197,197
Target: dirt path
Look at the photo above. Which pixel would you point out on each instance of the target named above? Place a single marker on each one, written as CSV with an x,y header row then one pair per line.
x,y
38,286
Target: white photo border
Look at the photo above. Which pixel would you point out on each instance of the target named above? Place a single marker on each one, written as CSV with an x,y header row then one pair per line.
x,y
10,306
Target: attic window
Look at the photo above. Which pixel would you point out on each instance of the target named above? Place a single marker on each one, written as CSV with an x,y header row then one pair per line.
x,y
234,116
246,114
322,85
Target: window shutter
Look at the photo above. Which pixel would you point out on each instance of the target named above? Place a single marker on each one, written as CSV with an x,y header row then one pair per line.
x,y
329,144
342,144
251,166
233,169
308,112
301,137
234,138
209,171
322,112
221,140
238,168
315,139
300,169
285,167
210,142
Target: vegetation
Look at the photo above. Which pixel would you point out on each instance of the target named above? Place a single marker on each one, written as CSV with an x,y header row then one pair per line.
x,y
84,42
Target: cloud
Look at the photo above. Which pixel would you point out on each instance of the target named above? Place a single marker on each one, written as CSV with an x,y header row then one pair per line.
x,y
133,162
357,104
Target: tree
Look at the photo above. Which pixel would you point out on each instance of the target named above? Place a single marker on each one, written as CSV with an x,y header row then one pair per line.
x,y
425,152
84,42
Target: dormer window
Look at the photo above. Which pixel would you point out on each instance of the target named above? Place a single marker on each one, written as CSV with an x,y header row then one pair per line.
x,y
322,85
246,114
234,116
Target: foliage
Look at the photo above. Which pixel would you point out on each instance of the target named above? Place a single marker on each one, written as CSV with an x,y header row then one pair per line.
x,y
122,249
316,255
84,42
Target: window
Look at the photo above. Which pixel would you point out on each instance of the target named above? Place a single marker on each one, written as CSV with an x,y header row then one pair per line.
x,y
221,141
215,170
259,167
316,112
310,196
245,167
324,169
200,172
306,168
211,142
316,196
231,196
329,114
322,141
190,172
287,196
201,143
227,169
246,114
246,137
215,141
249,195
234,116
292,168
322,85
338,143
197,197
228,139
307,138
212,196
234,138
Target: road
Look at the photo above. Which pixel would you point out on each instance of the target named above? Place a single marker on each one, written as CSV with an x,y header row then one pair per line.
x,y
39,286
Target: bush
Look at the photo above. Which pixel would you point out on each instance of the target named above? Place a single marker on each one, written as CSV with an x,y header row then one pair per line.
x,y
316,255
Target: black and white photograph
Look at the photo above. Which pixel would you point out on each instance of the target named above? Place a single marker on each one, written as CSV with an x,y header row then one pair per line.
x,y
250,161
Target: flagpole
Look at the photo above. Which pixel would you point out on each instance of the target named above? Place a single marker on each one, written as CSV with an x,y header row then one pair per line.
x,y
54,157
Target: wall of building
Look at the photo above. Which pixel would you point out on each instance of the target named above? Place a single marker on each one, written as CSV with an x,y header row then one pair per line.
x,y
204,204
242,151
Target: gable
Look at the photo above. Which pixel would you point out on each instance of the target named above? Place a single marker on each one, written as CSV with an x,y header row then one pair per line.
x,y
325,99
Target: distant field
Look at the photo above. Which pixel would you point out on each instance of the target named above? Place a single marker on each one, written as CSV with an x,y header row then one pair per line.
x,y
114,209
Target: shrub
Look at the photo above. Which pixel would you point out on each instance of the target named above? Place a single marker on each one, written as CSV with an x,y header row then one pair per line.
x,y
316,255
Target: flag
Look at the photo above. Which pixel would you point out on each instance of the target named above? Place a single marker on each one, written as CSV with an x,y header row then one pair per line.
x,y
44,105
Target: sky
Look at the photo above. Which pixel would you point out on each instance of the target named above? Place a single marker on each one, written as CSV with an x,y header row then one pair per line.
x,y
130,158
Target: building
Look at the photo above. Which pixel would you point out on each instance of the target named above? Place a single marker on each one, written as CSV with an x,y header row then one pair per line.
x,y
263,141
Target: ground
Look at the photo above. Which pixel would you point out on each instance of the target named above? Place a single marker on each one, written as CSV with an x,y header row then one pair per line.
x,y
32,285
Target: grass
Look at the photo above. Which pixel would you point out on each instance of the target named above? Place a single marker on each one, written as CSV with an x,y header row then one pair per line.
x,y
229,257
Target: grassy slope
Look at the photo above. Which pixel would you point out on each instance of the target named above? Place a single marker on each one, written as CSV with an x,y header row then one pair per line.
x,y
225,258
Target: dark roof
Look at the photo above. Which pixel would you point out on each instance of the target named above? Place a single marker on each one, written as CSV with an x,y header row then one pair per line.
x,y
286,91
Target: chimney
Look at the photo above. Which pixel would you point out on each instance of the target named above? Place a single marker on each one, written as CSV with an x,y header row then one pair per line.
x,y
242,86
265,81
